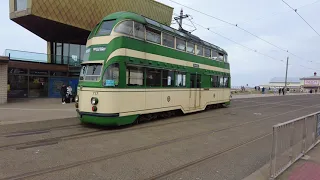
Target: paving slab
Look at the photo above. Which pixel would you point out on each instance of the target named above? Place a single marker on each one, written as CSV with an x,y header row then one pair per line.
x,y
34,110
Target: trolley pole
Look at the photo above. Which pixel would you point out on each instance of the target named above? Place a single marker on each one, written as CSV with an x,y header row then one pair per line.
x,y
285,85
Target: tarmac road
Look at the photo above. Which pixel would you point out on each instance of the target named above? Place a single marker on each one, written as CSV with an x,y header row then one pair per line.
x,y
228,143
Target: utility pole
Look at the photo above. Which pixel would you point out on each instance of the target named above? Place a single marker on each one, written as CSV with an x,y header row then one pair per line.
x,y
285,85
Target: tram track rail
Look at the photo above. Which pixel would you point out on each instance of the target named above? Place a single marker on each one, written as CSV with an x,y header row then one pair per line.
x,y
162,143
95,132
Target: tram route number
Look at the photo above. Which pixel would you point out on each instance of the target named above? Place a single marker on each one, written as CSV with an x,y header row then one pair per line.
x,y
95,93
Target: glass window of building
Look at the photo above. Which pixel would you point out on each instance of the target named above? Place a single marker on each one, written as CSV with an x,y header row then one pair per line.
x,y
167,40
74,54
167,78
135,76
181,44
105,28
38,86
153,77
190,47
153,35
20,5
111,76
18,86
207,52
58,53
125,27
199,50
139,30
82,52
65,56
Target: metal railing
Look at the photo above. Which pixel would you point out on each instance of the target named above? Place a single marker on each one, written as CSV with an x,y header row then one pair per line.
x,y
292,140
41,57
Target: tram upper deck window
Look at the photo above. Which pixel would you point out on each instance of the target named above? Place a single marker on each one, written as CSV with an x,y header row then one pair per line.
x,y
214,55
199,50
90,72
93,31
207,52
181,44
139,30
153,35
190,47
111,76
125,27
105,28
168,40
226,58
220,56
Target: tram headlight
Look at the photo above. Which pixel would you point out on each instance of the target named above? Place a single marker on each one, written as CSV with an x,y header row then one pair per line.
x,y
94,101
77,98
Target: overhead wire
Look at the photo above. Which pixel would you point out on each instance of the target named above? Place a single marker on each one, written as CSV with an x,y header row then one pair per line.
x,y
250,49
296,11
237,26
276,13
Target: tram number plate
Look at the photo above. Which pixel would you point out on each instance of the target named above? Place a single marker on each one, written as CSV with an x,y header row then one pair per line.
x,y
95,93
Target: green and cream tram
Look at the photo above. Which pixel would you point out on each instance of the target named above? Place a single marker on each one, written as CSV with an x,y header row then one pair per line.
x,y
136,68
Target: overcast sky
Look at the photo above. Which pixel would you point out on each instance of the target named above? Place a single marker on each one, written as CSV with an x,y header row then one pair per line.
x,y
271,20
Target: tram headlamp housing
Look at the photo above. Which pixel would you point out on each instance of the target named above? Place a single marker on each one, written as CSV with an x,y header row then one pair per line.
x,y
94,101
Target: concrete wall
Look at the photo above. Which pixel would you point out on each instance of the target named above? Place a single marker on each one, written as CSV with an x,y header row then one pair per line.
x,y
3,83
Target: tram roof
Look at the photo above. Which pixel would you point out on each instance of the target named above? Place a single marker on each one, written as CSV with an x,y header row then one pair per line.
x,y
144,20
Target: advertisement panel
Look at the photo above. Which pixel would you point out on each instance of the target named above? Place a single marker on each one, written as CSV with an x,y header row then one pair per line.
x,y
311,82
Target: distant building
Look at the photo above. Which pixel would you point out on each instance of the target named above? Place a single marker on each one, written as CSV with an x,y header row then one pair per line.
x,y
279,82
311,83
292,82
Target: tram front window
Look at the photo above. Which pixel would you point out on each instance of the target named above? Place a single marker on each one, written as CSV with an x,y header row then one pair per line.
x,y
90,72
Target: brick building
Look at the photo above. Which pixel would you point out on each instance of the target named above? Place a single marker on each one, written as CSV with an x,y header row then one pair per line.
x,y
3,79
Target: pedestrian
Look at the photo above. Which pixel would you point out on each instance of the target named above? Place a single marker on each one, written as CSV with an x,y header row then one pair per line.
x,y
283,91
280,91
68,94
63,92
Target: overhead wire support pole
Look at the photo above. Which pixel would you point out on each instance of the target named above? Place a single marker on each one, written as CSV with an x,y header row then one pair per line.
x,y
180,18
286,78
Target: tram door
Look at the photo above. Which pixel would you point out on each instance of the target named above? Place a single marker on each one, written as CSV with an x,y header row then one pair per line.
x,y
195,91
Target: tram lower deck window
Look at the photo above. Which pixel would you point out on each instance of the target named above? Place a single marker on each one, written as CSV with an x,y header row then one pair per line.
x,y
134,76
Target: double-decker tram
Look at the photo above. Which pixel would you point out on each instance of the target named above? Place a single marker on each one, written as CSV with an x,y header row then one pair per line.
x,y
138,69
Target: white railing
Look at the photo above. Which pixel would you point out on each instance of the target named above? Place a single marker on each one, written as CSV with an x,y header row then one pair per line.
x,y
292,140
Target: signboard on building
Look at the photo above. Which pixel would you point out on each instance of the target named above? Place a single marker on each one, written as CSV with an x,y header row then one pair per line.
x,y
311,82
